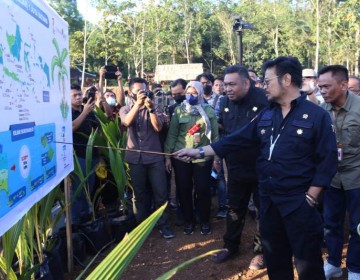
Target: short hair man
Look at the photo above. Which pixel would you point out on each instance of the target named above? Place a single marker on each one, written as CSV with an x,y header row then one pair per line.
x,y
243,101
144,121
177,88
218,86
309,86
205,79
344,192
83,122
354,85
297,159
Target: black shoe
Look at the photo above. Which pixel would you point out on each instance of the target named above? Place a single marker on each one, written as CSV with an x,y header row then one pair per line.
x,y
166,232
205,229
223,256
189,229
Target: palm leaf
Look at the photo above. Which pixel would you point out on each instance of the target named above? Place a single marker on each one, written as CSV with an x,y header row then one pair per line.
x,y
63,56
54,62
56,46
114,265
9,242
181,266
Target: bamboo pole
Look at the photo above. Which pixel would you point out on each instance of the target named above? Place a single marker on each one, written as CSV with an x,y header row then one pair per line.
x,y
69,245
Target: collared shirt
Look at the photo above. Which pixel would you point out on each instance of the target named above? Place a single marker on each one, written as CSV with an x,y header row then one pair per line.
x,y
142,136
211,100
347,127
234,115
303,152
80,136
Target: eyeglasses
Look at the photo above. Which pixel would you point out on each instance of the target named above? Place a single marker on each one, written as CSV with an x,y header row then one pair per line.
x,y
267,82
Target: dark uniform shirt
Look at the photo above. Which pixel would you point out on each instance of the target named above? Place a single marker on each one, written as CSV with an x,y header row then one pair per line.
x,y
304,153
80,136
234,115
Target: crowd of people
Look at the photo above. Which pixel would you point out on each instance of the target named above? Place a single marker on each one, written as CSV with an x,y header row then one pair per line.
x,y
283,144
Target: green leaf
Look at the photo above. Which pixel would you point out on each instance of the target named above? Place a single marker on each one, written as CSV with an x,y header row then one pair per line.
x,y
183,265
114,265
9,242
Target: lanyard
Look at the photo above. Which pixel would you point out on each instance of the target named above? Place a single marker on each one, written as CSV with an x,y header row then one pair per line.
x,y
272,144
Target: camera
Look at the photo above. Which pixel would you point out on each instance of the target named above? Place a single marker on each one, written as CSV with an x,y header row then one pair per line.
x,y
90,93
160,92
110,72
149,94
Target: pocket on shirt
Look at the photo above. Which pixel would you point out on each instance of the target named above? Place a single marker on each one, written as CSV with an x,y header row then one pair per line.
x,y
302,134
264,130
351,136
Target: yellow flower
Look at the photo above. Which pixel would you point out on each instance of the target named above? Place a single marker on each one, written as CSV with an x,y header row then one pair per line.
x,y
101,171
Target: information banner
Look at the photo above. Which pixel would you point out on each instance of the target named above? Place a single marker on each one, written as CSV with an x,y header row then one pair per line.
x,y
34,104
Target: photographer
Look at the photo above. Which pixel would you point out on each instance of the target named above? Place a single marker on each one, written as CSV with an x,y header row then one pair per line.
x,y
144,121
83,122
112,72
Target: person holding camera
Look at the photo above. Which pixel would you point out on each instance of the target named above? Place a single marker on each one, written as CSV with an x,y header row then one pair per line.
x,y
112,72
83,122
193,124
144,121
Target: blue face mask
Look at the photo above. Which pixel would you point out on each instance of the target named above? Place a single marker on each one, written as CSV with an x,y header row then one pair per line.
x,y
193,100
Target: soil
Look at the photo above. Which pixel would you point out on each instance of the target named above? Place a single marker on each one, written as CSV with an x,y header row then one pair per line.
x,y
159,255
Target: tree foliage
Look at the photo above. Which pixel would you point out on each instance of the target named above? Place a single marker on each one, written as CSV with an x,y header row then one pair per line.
x,y
139,35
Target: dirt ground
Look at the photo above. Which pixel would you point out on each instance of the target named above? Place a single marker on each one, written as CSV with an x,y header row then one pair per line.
x,y
159,255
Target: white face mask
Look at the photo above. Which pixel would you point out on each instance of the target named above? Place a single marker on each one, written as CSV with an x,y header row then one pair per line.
x,y
111,101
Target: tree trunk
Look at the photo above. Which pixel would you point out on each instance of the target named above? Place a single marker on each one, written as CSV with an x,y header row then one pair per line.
x,y
317,36
357,51
276,43
84,55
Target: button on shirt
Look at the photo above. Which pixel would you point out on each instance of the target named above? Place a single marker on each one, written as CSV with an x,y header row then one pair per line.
x,y
304,152
347,127
142,136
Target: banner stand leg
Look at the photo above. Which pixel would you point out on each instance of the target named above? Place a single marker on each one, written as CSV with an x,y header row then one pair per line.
x,y
69,244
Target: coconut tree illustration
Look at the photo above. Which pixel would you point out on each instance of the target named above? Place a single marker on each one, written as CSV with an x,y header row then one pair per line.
x,y
58,61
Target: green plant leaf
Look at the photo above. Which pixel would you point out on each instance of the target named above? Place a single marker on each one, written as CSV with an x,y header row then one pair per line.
x,y
181,266
114,265
9,242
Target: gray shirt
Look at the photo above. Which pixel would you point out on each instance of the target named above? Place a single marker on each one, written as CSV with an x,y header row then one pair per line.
x,y
142,136
346,123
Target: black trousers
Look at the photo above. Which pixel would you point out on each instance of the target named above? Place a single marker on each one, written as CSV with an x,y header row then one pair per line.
x,y
298,234
239,193
191,179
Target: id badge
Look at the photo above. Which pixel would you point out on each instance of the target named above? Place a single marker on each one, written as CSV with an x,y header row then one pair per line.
x,y
340,152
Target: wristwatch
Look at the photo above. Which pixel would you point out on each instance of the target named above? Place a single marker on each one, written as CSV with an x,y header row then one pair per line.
x,y
201,151
151,111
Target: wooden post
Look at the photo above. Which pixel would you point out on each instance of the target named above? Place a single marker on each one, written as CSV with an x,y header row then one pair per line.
x,y
69,245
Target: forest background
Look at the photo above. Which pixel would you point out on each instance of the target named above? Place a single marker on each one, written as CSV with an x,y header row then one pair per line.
x,y
139,35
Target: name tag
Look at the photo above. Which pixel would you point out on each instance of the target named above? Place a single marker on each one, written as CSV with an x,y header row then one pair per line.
x,y
340,152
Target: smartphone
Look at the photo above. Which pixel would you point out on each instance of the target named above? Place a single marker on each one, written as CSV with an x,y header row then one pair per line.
x,y
110,72
91,95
